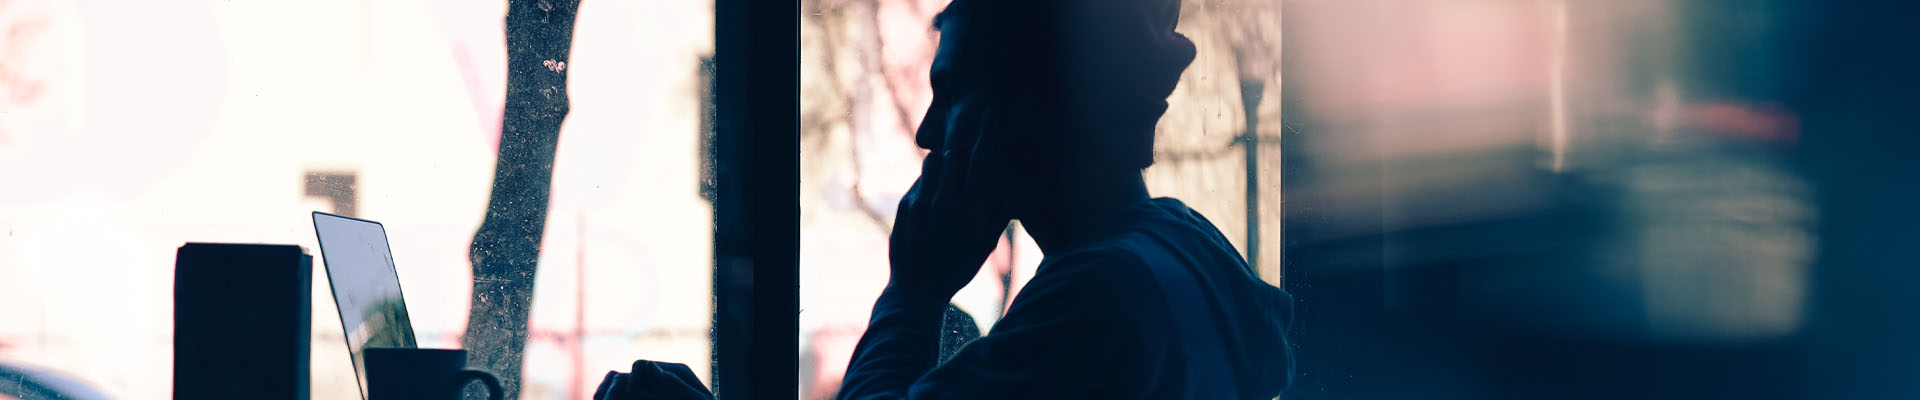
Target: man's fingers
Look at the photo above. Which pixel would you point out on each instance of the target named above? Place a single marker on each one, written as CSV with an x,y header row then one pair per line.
x,y
961,184
954,155
931,170
987,162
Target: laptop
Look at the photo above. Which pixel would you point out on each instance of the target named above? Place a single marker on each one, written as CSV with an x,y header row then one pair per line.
x,y
365,286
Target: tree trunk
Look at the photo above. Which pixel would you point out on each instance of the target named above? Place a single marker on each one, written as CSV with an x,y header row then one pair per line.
x,y
506,250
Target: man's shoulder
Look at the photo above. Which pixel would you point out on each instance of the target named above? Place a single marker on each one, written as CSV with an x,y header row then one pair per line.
x,y
1114,266
1120,254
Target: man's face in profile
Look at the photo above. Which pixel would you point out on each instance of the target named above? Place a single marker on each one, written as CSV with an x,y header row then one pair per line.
x,y
989,118
944,76
960,114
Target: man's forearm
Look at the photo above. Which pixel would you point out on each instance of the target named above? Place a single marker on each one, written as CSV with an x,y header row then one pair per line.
x,y
901,344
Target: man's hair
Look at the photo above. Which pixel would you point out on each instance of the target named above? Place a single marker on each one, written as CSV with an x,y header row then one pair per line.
x,y
1101,69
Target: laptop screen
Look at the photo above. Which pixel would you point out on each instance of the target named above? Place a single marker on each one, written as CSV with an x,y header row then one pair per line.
x,y
365,286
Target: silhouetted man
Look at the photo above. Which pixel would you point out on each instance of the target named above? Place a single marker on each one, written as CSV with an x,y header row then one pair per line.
x,y
1044,111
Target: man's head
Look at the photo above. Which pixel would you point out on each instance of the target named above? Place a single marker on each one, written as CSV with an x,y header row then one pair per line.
x,y
1049,95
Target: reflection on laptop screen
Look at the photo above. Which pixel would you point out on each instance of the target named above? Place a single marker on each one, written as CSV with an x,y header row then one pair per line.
x,y
365,286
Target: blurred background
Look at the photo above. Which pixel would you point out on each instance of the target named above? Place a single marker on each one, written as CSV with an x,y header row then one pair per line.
x,y
1469,199
1545,199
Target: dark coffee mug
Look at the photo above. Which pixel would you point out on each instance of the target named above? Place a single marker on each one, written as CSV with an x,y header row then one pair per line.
x,y
422,374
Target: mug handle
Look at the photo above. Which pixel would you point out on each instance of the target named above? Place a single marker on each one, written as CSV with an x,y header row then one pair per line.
x,y
493,383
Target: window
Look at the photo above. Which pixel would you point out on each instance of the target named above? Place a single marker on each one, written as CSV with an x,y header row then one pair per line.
x,y
1467,198
133,128
865,87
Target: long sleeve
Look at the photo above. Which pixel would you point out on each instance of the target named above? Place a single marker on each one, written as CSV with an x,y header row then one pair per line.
x,y
1080,329
902,343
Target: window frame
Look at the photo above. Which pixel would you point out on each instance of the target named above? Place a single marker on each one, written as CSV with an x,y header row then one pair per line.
x,y
756,150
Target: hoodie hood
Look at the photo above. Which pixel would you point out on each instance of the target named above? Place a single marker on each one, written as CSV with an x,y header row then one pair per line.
x,y
1252,315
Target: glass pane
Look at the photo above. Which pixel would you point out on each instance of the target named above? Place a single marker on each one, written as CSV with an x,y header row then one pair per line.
x,y
134,127
864,88
1515,199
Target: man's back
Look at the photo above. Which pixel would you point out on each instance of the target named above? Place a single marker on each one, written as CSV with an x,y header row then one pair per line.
x,y
1164,309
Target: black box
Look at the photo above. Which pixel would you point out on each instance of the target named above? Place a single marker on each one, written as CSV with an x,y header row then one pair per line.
x,y
242,322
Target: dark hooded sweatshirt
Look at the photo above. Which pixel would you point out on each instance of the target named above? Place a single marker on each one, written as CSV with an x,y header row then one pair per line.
x,y
1165,309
